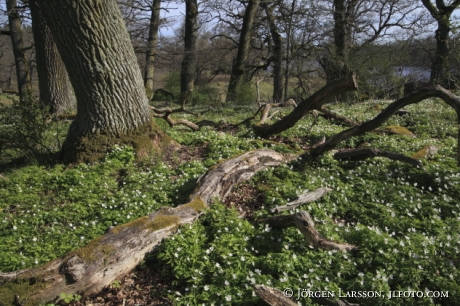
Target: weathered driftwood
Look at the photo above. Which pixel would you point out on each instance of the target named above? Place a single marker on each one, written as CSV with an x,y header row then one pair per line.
x,y
306,197
425,93
273,296
314,239
276,297
364,153
88,269
322,96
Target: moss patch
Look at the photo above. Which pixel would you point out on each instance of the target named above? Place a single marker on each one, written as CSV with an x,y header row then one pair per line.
x,y
160,221
21,289
399,130
197,204
147,140
425,152
93,251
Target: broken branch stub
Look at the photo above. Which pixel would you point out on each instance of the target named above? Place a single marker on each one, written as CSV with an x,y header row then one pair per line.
x,y
306,197
346,83
314,239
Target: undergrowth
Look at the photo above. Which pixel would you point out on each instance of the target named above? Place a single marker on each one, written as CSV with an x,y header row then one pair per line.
x,y
405,220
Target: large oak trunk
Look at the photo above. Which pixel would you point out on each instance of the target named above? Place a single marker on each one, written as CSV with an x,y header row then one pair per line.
x,y
97,52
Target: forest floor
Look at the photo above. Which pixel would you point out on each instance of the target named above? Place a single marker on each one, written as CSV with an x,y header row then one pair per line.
x,y
404,219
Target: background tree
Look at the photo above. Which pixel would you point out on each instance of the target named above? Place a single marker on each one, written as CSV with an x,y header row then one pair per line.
x,y
22,65
188,65
54,85
243,49
442,13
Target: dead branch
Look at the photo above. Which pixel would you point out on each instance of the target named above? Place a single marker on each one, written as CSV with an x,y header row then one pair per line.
x,y
425,93
264,116
314,239
364,153
273,296
87,270
331,115
276,297
306,197
347,83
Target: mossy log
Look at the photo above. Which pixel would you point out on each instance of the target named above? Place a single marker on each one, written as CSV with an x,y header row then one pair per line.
x,y
87,270
306,197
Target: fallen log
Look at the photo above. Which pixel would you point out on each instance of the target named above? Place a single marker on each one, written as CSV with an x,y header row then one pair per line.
x,y
89,269
364,153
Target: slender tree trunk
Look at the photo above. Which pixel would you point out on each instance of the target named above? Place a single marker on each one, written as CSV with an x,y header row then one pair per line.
x,y
22,66
343,14
188,66
277,55
288,51
53,80
152,48
440,65
243,50
112,107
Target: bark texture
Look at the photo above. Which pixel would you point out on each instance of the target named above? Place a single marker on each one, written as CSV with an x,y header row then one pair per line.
x,y
188,66
152,48
97,52
277,55
55,88
22,65
243,50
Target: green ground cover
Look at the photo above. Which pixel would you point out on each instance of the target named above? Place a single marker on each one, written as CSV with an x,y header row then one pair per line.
x,y
406,221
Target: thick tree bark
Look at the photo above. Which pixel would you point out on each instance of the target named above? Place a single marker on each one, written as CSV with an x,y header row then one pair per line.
x,y
188,65
440,65
22,65
277,55
97,52
152,48
322,96
54,84
243,50
430,92
87,270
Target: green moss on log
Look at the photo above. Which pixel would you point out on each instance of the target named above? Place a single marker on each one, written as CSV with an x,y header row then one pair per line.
x,y
94,251
197,204
399,130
